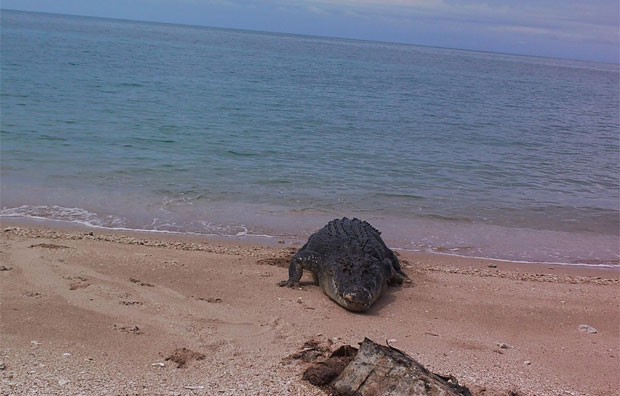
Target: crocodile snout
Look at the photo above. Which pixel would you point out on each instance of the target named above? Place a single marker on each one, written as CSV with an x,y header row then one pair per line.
x,y
358,300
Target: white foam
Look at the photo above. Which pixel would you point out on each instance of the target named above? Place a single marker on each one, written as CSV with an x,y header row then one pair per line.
x,y
576,264
61,213
55,213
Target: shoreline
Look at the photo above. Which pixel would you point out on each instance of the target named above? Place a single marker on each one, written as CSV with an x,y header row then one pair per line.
x,y
101,312
277,240
187,241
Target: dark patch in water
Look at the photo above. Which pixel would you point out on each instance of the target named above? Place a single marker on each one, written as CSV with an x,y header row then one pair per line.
x,y
240,154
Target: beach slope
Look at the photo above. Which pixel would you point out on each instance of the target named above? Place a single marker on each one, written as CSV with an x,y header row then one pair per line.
x,y
118,313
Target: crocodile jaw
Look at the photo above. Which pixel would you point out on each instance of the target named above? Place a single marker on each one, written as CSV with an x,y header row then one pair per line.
x,y
356,300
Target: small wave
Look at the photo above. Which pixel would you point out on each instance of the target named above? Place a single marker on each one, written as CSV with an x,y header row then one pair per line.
x,y
61,213
434,216
242,154
131,85
153,140
275,181
52,138
398,196
89,219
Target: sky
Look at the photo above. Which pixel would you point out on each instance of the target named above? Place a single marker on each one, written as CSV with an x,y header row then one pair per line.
x,y
573,29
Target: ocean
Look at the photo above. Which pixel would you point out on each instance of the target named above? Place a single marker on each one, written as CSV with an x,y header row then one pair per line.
x,y
237,134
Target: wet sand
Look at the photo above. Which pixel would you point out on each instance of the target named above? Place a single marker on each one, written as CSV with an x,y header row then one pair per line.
x,y
94,312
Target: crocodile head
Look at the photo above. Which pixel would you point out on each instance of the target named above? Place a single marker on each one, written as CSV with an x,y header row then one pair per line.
x,y
355,284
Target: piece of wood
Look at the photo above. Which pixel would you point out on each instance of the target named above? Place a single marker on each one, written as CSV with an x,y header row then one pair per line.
x,y
324,371
382,370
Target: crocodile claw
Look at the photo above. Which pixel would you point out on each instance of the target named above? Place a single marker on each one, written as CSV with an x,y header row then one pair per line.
x,y
288,283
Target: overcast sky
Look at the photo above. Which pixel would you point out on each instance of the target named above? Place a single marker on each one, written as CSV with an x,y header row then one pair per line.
x,y
574,29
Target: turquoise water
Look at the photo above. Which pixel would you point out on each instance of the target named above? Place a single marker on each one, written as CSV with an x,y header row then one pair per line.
x,y
122,124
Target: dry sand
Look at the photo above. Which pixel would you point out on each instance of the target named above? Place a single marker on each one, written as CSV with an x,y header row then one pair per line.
x,y
98,314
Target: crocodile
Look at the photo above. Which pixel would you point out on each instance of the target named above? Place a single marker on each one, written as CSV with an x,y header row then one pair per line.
x,y
349,261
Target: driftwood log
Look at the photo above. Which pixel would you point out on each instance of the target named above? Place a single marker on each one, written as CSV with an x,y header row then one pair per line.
x,y
383,370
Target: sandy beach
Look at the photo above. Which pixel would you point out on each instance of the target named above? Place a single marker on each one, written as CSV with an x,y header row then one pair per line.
x,y
90,312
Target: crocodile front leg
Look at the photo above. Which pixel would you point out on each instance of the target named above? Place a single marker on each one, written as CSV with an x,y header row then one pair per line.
x,y
303,259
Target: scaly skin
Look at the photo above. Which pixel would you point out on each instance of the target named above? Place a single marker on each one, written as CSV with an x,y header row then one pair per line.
x,y
350,262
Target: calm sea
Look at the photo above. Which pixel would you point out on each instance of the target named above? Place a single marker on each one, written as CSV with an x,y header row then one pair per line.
x,y
121,124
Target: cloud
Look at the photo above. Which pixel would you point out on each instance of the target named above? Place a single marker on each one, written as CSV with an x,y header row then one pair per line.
x,y
468,24
597,12
596,20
